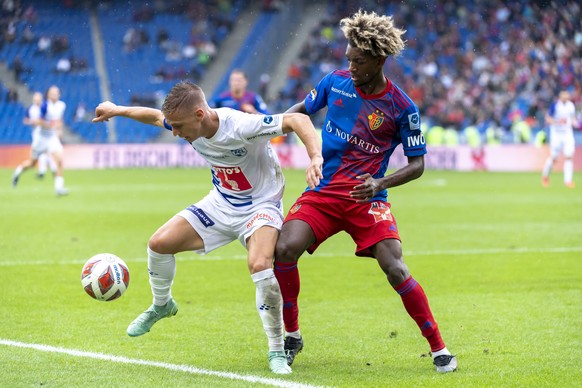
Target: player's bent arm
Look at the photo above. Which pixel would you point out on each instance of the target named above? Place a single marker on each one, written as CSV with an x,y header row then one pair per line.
x,y
107,110
413,170
298,108
301,124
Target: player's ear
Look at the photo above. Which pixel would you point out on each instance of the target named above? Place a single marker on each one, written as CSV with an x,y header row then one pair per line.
x,y
199,114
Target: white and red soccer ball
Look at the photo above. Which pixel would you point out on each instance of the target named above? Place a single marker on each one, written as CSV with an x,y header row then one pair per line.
x,y
105,277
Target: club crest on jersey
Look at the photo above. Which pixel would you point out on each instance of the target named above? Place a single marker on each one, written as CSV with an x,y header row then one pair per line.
x,y
376,119
240,152
380,211
294,209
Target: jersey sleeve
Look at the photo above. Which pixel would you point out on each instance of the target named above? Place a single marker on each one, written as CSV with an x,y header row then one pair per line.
x,y
317,98
43,110
260,105
552,111
166,125
413,142
253,127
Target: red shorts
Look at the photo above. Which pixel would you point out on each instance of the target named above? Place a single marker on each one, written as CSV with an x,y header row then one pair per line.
x,y
367,223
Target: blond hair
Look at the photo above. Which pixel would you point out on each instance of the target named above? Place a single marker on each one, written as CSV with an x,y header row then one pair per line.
x,y
183,95
373,33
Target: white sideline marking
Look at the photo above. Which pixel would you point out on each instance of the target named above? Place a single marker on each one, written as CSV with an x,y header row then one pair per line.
x,y
451,252
176,367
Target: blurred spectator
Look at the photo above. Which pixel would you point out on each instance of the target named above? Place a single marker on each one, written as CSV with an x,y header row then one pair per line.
x,y
12,95
63,65
467,63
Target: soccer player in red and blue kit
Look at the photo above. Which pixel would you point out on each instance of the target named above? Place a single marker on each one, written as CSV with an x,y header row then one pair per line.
x,y
367,117
238,97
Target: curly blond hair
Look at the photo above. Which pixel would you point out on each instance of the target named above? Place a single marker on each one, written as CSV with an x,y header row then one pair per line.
x,y
373,33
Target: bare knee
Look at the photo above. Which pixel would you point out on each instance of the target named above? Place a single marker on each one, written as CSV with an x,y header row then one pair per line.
x,y
286,251
158,244
388,253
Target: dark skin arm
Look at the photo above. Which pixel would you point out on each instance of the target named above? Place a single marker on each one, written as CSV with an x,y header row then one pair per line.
x,y
365,191
298,108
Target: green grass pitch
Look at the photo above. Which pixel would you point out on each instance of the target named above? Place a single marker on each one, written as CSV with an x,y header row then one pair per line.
x,y
499,257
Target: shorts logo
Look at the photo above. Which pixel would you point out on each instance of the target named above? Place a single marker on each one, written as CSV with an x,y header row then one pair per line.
x,y
268,120
414,121
206,221
295,209
376,119
261,217
240,152
380,212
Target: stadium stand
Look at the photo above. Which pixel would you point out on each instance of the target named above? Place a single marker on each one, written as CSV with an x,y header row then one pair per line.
x,y
482,65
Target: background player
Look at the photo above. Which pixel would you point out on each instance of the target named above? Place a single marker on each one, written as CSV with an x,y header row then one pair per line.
x,y
367,117
52,113
47,117
245,204
238,97
562,119
40,137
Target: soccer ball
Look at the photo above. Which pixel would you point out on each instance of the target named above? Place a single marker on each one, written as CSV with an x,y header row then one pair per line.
x,y
105,277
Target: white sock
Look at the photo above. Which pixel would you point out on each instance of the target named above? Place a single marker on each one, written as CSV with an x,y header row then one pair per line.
x,y
568,170
162,269
294,334
18,171
42,162
548,167
59,183
52,165
270,307
441,352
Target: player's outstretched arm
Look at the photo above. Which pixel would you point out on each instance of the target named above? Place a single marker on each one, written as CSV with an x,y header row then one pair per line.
x,y
107,110
301,124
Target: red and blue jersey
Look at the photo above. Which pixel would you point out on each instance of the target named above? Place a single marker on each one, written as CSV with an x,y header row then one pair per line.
x,y
361,131
227,100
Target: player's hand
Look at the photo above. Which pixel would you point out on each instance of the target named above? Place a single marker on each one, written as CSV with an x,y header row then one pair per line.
x,y
364,192
313,173
104,112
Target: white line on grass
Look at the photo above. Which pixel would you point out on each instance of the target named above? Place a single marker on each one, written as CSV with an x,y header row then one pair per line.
x,y
175,367
451,252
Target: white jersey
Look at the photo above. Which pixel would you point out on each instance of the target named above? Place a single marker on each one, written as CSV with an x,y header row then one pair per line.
x,y
245,168
562,131
52,111
34,113
563,114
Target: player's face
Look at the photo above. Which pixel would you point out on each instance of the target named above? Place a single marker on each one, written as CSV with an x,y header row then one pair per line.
x,y
54,94
37,98
564,96
238,82
186,124
363,67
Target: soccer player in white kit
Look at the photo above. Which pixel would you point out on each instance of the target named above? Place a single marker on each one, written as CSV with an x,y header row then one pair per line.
x,y
562,120
40,136
245,203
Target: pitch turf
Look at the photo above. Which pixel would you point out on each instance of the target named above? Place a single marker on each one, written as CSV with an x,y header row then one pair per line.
x,y
499,257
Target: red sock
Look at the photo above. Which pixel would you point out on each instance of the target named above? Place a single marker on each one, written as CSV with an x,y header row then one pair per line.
x,y
287,275
416,303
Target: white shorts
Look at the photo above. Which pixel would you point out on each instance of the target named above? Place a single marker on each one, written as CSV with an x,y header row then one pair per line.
x,y
219,223
562,143
45,141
